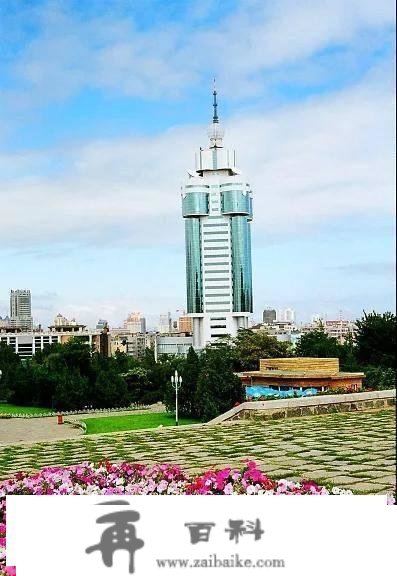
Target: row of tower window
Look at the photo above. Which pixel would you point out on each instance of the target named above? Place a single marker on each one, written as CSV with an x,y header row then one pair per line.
x,y
211,240
217,271
215,247
215,185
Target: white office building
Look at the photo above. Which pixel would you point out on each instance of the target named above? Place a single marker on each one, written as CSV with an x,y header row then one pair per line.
x,y
217,208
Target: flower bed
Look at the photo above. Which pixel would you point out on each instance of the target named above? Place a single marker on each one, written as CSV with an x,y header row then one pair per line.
x,y
105,478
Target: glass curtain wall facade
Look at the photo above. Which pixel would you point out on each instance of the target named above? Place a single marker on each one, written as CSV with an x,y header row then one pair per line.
x,y
241,264
194,278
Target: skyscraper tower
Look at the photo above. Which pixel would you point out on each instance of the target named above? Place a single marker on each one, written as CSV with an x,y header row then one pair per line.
x,y
21,309
217,207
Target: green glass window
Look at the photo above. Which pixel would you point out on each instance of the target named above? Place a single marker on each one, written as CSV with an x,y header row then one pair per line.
x,y
235,202
194,282
195,204
241,264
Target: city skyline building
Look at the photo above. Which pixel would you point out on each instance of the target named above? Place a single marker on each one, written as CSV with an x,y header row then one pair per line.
x,y
62,324
286,315
21,310
135,323
101,324
5,322
185,324
165,323
269,315
217,208
61,320
289,315
317,318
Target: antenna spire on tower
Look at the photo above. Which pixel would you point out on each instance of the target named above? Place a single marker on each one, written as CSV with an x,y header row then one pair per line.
x,y
215,119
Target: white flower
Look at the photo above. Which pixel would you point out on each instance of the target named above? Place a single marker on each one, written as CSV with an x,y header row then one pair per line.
x,y
228,489
251,490
163,485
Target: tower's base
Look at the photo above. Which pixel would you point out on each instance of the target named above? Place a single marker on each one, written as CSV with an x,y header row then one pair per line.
x,y
210,328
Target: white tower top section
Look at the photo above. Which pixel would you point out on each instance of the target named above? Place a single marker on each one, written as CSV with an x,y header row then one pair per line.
x,y
215,158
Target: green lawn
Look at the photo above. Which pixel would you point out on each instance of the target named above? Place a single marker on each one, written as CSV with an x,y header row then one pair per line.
x,y
14,409
133,422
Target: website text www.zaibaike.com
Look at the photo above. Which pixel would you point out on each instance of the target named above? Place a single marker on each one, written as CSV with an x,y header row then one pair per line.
x,y
214,561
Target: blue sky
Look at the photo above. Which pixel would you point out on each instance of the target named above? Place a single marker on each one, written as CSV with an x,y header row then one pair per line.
x,y
103,104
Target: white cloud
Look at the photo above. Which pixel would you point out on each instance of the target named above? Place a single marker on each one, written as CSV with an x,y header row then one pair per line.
x,y
110,52
309,164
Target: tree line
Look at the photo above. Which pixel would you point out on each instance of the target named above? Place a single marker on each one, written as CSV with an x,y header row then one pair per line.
x,y
71,376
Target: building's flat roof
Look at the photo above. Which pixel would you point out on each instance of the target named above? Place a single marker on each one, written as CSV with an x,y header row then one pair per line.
x,y
283,374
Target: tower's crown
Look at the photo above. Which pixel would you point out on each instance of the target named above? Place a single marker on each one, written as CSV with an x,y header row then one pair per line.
x,y
215,130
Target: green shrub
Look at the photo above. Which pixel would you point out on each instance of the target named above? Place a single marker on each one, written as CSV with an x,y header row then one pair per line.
x,y
378,378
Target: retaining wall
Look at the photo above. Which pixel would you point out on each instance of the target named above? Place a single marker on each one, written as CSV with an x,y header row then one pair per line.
x,y
326,404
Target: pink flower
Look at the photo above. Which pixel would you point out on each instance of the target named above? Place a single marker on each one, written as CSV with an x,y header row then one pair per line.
x,y
163,485
228,489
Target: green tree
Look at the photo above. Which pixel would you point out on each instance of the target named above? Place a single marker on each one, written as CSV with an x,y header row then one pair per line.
x,y
9,363
348,355
218,387
249,347
136,379
71,390
158,375
122,361
189,369
109,390
375,338
41,383
379,378
318,344
22,389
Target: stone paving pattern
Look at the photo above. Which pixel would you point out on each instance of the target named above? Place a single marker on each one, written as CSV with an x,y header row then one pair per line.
x,y
351,450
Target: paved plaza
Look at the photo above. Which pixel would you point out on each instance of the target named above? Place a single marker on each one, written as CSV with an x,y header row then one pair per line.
x,y
354,450
17,430
20,430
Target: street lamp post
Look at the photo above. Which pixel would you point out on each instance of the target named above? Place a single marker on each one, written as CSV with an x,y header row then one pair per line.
x,y
176,383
